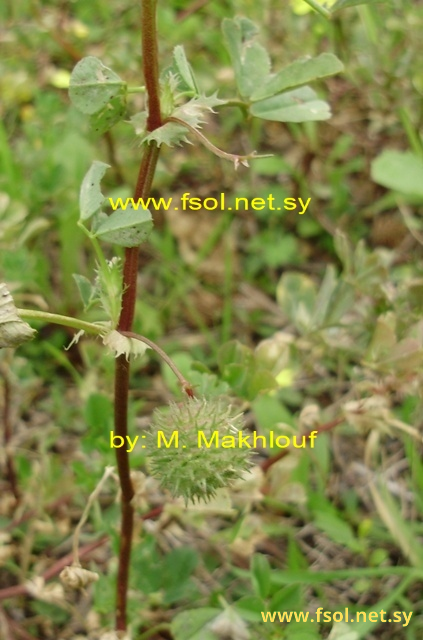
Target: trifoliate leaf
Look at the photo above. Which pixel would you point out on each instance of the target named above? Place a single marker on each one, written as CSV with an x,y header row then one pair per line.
x,y
13,330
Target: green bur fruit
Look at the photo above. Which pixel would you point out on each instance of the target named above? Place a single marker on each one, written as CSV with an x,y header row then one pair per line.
x,y
193,447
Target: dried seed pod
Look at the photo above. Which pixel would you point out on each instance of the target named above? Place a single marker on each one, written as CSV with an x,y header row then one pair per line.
x,y
75,577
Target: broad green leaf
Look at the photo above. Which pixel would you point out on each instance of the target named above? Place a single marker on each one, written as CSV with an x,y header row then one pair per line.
x,y
399,170
13,330
184,68
260,574
90,197
192,624
299,105
127,228
93,85
250,60
298,73
343,4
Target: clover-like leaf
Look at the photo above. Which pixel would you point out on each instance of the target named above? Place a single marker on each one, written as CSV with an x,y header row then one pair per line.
x,y
13,330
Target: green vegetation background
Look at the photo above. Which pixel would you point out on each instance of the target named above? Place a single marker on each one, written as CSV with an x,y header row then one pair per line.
x,y
237,299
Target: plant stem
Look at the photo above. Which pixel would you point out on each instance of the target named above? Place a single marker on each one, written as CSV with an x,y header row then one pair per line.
x,y
318,7
142,190
64,321
184,383
218,152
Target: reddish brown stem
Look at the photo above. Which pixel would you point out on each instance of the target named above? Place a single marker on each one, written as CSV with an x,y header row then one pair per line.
x,y
142,190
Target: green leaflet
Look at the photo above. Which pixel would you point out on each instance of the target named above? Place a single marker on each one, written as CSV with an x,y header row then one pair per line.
x,y
299,105
127,228
90,197
298,73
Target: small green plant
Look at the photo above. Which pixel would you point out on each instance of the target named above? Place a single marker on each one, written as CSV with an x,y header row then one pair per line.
x,y
175,109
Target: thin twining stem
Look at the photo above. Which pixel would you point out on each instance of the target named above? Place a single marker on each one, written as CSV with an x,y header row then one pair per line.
x,y
186,386
236,159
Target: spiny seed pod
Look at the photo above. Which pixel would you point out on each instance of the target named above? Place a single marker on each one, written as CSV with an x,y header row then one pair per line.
x,y
195,447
